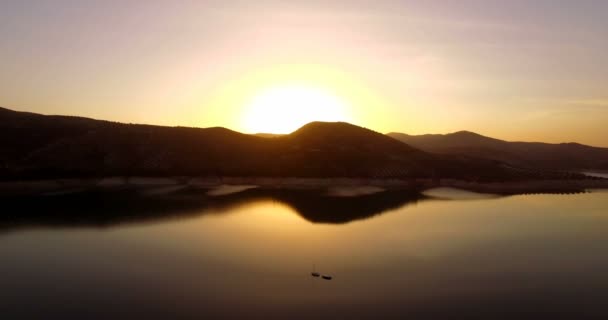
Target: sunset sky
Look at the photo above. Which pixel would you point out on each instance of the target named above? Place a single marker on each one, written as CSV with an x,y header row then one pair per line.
x,y
515,70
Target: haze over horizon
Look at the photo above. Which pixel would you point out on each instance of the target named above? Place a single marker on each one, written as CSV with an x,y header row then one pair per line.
x,y
514,71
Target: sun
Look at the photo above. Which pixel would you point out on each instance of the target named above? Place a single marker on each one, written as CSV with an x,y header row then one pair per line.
x,y
283,109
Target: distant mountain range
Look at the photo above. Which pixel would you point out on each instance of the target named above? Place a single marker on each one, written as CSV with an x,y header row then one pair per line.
x,y
563,156
35,146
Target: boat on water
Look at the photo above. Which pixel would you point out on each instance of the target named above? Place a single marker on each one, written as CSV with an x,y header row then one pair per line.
x,y
315,274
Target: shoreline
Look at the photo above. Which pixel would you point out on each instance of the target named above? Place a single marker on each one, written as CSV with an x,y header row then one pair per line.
x,y
171,184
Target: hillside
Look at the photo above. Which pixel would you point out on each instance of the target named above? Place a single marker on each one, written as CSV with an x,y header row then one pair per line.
x,y
564,156
36,147
56,146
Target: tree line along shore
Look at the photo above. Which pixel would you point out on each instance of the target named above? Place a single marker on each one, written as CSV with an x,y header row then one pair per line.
x,y
174,184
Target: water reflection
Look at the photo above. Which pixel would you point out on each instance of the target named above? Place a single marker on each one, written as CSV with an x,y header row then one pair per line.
x,y
105,209
249,255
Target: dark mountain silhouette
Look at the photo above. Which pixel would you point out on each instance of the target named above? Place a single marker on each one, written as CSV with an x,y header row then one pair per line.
x,y
37,146
563,156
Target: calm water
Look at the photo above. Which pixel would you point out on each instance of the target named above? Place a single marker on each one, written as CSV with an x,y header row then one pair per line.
x,y
393,255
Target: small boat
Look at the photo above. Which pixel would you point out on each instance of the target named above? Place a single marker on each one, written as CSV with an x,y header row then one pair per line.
x,y
326,277
314,273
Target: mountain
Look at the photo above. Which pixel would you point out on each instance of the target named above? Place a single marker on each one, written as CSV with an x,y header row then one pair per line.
x,y
41,146
563,156
37,146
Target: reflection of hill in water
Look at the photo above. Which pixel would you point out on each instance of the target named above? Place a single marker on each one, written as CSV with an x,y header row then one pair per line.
x,y
105,209
325,209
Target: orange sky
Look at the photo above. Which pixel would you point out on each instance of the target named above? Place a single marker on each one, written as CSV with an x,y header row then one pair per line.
x,y
517,71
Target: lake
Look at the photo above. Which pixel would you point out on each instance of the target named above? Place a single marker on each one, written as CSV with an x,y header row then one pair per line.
x,y
440,255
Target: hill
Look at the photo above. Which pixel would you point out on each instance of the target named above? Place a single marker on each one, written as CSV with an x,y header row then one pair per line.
x,y
564,156
36,146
